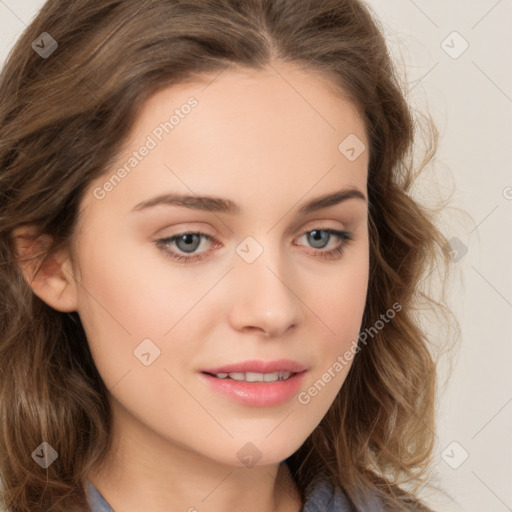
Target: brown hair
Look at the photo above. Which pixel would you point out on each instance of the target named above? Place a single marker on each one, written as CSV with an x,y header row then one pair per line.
x,y
63,120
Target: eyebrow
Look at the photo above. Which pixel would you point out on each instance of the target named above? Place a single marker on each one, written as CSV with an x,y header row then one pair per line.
x,y
217,204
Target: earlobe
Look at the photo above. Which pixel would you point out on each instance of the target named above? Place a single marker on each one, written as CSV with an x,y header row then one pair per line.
x,y
50,278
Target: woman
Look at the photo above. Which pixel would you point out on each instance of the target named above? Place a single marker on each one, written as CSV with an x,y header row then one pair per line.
x,y
211,261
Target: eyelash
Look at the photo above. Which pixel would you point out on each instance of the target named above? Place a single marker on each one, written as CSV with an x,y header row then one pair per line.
x,y
333,254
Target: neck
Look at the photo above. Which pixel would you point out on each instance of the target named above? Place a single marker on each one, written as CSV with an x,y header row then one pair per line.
x,y
166,477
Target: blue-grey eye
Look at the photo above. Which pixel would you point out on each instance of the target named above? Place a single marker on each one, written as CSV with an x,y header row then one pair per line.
x,y
315,237
190,241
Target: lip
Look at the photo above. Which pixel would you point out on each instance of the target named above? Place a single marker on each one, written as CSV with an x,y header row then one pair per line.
x,y
257,394
258,366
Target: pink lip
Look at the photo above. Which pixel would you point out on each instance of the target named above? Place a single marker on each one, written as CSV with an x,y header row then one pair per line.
x,y
257,394
257,366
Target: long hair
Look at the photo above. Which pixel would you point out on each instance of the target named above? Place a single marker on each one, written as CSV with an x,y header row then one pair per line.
x,y
64,117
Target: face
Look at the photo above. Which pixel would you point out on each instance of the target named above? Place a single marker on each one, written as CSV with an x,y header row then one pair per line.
x,y
260,283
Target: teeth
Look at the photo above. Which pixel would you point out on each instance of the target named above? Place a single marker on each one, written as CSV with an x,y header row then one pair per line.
x,y
255,377
237,376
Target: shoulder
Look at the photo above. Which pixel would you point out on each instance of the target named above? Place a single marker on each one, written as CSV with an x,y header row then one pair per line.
x,y
322,496
96,501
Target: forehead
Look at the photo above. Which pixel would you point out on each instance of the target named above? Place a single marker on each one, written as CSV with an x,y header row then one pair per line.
x,y
273,133
281,96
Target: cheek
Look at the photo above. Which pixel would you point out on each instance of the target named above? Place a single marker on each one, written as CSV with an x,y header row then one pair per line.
x,y
341,299
339,305
132,315
129,287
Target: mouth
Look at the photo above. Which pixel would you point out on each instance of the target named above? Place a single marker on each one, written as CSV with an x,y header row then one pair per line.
x,y
257,370
254,376
257,383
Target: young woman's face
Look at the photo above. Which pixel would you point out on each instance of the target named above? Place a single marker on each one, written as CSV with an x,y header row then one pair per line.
x,y
265,286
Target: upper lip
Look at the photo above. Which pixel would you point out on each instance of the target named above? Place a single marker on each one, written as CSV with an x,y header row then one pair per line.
x,y
258,366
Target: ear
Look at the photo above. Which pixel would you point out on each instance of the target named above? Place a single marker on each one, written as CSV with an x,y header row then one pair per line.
x,y
54,281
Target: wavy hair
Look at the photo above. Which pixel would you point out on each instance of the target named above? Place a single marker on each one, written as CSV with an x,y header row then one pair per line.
x,y
64,119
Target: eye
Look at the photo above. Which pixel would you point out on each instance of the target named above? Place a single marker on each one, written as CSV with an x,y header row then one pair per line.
x,y
189,242
320,238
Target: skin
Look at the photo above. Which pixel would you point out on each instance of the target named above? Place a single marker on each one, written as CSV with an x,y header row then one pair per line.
x,y
270,147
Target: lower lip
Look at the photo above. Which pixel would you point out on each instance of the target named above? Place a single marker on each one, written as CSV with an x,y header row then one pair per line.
x,y
258,394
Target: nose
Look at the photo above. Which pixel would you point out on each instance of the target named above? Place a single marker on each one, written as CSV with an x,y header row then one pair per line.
x,y
263,296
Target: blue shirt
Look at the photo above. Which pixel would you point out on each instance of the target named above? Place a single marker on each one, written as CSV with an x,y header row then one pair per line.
x,y
321,498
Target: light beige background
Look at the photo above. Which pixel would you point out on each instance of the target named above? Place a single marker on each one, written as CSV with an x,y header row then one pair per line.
x,y
470,97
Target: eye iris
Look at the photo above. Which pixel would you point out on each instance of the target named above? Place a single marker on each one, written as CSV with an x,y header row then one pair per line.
x,y
313,238
191,244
